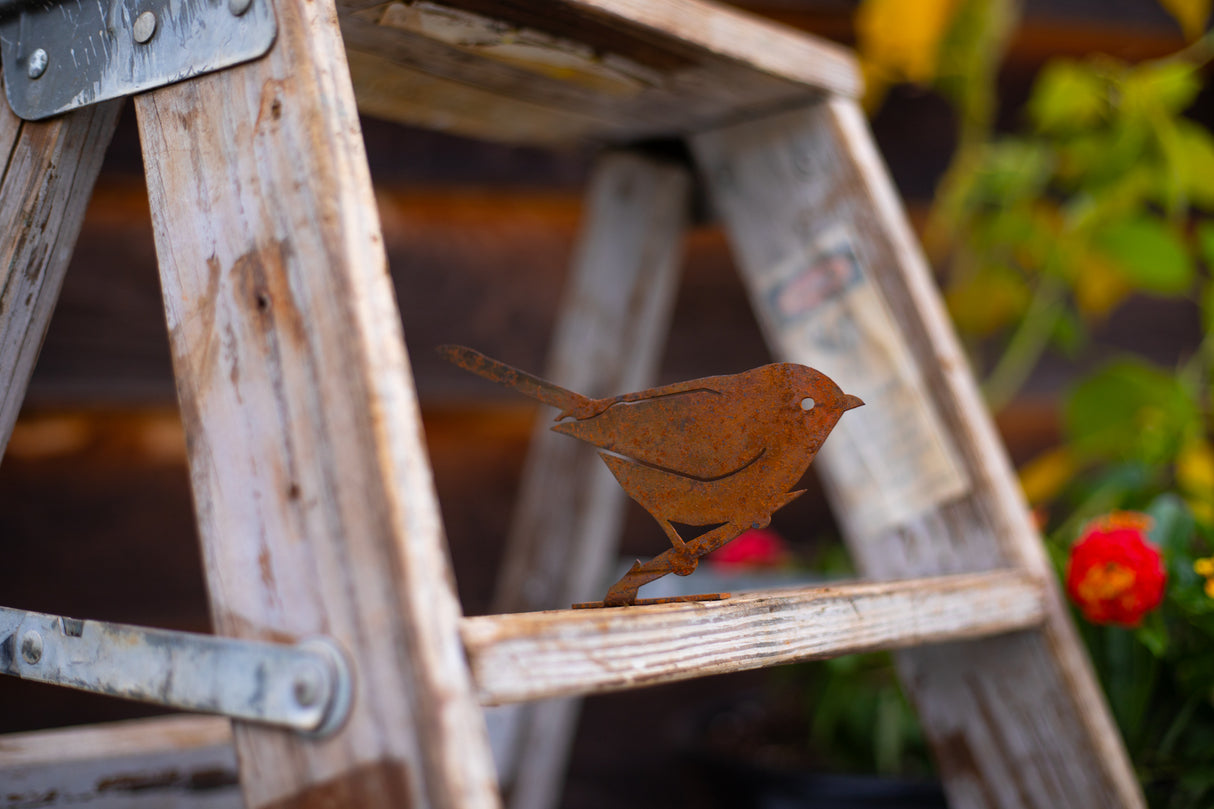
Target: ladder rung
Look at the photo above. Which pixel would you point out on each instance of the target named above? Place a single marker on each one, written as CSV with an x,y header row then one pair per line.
x,y
527,656
543,654
180,761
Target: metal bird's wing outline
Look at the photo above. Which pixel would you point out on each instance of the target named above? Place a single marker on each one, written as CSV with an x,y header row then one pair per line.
x,y
675,432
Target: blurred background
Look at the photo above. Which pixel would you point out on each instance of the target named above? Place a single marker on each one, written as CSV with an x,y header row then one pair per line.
x,y
1055,157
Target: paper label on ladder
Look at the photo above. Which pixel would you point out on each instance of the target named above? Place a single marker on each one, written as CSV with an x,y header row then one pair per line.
x,y
891,459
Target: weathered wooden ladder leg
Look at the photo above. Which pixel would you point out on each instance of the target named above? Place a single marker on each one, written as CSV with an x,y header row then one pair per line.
x,y
918,477
313,492
46,180
609,337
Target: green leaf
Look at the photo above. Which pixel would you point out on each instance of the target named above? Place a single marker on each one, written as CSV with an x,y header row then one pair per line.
x,y
1191,154
1158,87
1172,527
1012,169
1130,411
988,300
1153,634
1205,243
1023,235
1151,255
1093,158
1068,335
1066,96
1207,307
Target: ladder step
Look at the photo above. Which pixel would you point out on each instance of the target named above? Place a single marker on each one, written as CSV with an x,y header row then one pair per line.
x,y
528,656
560,653
186,762
611,70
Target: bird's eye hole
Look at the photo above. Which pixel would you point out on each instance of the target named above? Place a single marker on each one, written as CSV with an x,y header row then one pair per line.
x,y
807,403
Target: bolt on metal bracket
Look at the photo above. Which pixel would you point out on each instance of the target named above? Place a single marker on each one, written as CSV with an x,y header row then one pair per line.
x,y
62,54
306,687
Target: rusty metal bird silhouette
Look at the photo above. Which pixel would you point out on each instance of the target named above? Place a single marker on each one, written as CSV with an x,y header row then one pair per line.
x,y
721,451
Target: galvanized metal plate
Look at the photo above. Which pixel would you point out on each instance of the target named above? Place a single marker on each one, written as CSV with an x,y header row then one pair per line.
x,y
305,686
62,54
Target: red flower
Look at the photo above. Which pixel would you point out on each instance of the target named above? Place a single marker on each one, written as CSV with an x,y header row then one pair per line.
x,y
1115,576
758,547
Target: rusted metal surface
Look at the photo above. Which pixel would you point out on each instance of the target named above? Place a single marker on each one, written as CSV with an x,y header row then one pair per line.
x,y
639,602
721,452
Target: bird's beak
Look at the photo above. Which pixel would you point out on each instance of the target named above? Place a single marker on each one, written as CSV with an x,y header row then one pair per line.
x,y
850,401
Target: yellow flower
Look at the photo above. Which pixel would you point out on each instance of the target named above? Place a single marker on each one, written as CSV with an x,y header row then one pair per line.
x,y
1205,567
900,41
1190,14
1195,468
1045,476
904,37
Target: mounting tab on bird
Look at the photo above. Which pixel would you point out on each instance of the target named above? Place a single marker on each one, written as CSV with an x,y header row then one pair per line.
x,y
722,451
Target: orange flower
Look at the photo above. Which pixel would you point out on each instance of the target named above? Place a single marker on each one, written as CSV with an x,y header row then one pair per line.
x,y
1115,576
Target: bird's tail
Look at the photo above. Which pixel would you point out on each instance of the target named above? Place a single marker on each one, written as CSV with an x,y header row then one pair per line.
x,y
523,382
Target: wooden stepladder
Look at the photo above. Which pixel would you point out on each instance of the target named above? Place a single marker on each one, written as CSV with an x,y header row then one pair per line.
x,y
312,489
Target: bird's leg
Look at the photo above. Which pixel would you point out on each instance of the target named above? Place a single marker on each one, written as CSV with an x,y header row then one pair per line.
x,y
682,561
685,556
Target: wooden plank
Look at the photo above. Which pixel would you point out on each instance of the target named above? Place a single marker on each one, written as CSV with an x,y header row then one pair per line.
x,y
728,34
609,337
393,92
314,496
47,176
608,70
918,478
538,655
189,761
171,762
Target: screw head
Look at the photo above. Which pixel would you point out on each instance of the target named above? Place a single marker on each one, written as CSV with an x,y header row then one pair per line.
x,y
31,647
239,7
145,27
37,63
308,686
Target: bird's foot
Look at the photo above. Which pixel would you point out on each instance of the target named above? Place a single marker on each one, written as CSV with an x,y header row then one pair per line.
x,y
624,591
683,561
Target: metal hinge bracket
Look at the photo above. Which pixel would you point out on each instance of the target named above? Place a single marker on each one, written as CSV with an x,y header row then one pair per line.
x,y
306,686
62,54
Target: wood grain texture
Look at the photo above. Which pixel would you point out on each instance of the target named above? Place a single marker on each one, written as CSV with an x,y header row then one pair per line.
x,y
392,92
172,762
734,35
606,70
48,172
610,332
313,493
557,653
1017,721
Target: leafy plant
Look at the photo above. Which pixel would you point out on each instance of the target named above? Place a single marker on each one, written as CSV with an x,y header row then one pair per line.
x,y
1105,192
858,719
